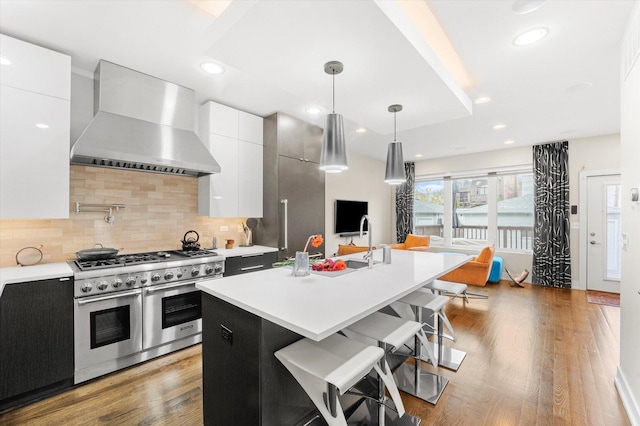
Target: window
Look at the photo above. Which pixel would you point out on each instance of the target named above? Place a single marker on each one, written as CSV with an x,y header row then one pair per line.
x,y
515,211
477,210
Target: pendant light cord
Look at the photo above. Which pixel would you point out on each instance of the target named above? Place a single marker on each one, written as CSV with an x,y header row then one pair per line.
x,y
333,76
394,126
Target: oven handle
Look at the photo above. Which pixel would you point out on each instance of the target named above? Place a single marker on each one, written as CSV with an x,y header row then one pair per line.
x,y
112,296
168,286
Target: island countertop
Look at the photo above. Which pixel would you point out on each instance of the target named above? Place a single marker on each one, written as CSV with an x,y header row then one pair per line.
x,y
317,306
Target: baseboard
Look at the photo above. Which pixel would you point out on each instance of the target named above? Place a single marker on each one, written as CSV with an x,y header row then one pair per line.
x,y
628,401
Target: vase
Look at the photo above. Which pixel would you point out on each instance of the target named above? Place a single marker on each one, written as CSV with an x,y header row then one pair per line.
x,y
301,264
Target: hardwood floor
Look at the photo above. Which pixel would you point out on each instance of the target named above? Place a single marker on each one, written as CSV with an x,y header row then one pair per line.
x,y
535,356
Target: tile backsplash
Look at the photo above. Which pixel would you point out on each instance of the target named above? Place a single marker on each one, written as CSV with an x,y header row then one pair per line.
x,y
159,210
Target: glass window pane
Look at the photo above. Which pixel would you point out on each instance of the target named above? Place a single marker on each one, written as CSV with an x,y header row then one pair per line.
x,y
470,214
428,210
614,244
515,211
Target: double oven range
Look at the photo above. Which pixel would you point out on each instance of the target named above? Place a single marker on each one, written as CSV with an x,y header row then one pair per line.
x,y
135,307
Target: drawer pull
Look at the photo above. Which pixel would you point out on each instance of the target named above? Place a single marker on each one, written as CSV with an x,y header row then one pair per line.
x,y
249,268
251,255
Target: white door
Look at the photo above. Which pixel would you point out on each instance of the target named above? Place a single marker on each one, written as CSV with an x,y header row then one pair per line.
x,y
603,233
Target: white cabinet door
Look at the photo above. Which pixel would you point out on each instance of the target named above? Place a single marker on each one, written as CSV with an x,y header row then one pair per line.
x,y
250,179
223,120
250,128
35,68
218,193
34,162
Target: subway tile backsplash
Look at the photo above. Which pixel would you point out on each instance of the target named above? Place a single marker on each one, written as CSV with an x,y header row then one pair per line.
x,y
159,210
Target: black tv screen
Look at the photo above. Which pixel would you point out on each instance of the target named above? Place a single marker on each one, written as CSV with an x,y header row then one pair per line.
x,y
348,215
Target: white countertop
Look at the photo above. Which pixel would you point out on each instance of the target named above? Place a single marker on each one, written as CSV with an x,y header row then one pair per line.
x,y
19,274
244,251
317,306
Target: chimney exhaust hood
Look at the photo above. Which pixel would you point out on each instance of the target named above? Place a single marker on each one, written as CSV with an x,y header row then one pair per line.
x,y
142,123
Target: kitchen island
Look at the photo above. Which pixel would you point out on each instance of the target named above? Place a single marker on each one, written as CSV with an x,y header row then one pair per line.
x,y
246,318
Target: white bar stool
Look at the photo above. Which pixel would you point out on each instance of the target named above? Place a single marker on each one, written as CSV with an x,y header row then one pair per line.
x,y
450,358
391,333
411,379
330,367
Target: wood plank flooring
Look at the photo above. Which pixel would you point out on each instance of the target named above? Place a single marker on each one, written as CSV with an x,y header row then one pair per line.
x,y
535,356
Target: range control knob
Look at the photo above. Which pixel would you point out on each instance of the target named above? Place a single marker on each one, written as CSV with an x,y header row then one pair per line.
x,y
168,275
102,285
179,274
86,287
155,277
116,283
130,281
195,272
143,280
218,269
208,269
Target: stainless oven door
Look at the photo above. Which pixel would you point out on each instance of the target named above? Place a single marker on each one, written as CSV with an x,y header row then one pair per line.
x,y
107,327
171,312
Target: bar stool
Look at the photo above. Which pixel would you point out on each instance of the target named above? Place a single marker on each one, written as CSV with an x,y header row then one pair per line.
x,y
391,333
330,367
448,288
410,378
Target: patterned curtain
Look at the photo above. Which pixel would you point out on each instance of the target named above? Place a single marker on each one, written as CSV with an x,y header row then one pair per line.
x,y
405,194
551,255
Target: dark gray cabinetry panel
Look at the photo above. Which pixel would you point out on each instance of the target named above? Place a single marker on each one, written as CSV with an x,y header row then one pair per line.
x,y
249,263
243,382
36,339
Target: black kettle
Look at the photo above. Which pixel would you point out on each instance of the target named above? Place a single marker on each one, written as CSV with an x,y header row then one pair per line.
x,y
190,243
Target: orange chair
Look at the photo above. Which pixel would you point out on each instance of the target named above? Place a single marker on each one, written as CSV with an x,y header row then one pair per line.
x,y
413,242
474,272
349,249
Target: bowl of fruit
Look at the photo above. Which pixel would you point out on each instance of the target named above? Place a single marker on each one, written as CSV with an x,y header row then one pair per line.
x,y
329,265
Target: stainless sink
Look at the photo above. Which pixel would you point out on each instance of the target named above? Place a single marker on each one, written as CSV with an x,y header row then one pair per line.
x,y
357,264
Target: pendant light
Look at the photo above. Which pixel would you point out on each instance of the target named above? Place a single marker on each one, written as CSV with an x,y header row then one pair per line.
x,y
394,174
334,154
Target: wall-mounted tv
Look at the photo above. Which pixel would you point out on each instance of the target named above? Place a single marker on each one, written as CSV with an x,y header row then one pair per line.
x,y
348,215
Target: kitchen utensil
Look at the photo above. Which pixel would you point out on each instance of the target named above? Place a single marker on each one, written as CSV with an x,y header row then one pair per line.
x,y
97,253
190,242
229,244
28,256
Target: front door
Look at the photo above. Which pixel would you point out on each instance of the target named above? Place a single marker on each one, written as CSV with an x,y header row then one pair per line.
x,y
603,233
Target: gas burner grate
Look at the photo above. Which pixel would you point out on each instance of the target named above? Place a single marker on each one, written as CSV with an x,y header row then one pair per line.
x,y
195,253
85,265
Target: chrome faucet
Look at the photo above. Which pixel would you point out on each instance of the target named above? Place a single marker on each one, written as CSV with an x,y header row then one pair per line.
x,y
369,256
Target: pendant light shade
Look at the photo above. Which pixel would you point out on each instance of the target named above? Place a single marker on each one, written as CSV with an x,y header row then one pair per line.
x,y
394,174
333,158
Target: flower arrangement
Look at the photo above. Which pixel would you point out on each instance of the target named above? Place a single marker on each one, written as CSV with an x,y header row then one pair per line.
x,y
315,240
329,265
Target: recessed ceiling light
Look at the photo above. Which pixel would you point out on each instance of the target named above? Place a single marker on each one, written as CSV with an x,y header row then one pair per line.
x,y
312,110
42,126
578,87
361,130
483,100
499,126
525,6
530,37
509,142
4,61
418,155
212,68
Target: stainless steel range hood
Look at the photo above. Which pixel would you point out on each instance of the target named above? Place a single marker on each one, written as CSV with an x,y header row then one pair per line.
x,y
142,123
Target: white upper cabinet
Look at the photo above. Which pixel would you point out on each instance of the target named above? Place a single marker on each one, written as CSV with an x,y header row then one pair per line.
x,y
34,134
35,68
235,139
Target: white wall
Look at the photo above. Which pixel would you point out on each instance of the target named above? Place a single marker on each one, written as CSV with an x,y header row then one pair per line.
x,y
628,378
363,181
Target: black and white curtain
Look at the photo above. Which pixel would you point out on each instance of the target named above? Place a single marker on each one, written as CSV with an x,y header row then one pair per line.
x,y
551,254
405,194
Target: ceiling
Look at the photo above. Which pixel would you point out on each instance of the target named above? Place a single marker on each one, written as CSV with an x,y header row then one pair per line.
x,y
565,86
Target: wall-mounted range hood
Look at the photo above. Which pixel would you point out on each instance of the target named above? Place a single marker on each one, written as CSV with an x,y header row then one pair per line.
x,y
142,123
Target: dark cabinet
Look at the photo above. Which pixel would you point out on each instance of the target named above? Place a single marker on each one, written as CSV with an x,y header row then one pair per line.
x,y
298,139
36,339
249,263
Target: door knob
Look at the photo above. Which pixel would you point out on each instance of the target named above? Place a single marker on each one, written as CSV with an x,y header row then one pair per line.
x,y
592,242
